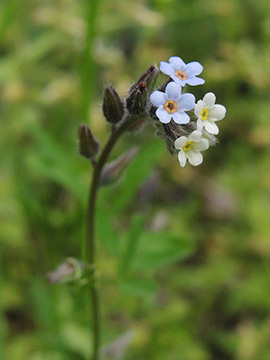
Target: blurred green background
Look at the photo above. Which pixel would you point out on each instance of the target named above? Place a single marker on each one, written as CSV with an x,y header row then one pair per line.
x,y
196,286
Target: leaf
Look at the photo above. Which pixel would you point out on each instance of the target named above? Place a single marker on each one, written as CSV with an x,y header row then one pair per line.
x,y
76,338
106,232
144,288
158,249
130,244
56,163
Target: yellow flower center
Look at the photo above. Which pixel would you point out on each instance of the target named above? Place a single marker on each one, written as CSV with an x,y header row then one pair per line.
x,y
204,114
188,145
170,106
180,74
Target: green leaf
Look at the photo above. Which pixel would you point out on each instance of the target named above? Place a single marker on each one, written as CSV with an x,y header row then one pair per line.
x,y
106,233
139,287
130,244
56,163
76,338
158,249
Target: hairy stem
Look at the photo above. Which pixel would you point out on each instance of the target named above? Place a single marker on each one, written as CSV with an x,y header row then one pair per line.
x,y
89,250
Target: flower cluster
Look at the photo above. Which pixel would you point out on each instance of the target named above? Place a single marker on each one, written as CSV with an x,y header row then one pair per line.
x,y
172,107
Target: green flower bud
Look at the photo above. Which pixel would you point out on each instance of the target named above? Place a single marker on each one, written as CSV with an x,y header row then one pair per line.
x,y
149,77
88,145
113,107
137,100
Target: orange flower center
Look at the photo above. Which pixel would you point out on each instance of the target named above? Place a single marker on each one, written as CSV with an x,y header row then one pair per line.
x,y
181,74
170,106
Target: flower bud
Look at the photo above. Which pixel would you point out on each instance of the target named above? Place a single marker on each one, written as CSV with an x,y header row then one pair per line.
x,y
148,77
137,100
113,107
69,271
88,145
115,169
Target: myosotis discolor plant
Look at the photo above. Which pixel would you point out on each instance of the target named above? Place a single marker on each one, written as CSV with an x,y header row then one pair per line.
x,y
188,128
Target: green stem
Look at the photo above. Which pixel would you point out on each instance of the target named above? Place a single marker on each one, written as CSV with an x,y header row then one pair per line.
x,y
89,250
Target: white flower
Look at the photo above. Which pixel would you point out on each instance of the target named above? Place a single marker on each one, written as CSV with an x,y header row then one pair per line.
x,y
207,113
190,148
172,105
182,73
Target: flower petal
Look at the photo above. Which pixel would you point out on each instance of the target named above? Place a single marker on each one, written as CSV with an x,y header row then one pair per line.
x,y
194,80
195,136
180,117
202,145
218,112
176,62
182,158
199,125
198,108
180,142
195,158
158,98
166,68
173,91
186,102
211,127
193,68
163,116
209,100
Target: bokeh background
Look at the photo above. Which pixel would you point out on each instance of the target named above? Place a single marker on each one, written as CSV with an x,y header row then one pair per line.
x,y
196,284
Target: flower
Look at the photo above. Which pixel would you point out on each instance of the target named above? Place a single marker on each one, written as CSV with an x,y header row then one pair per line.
x,y
182,73
207,113
190,148
172,105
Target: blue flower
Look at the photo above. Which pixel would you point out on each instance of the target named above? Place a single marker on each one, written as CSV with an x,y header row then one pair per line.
x,y
182,73
172,104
